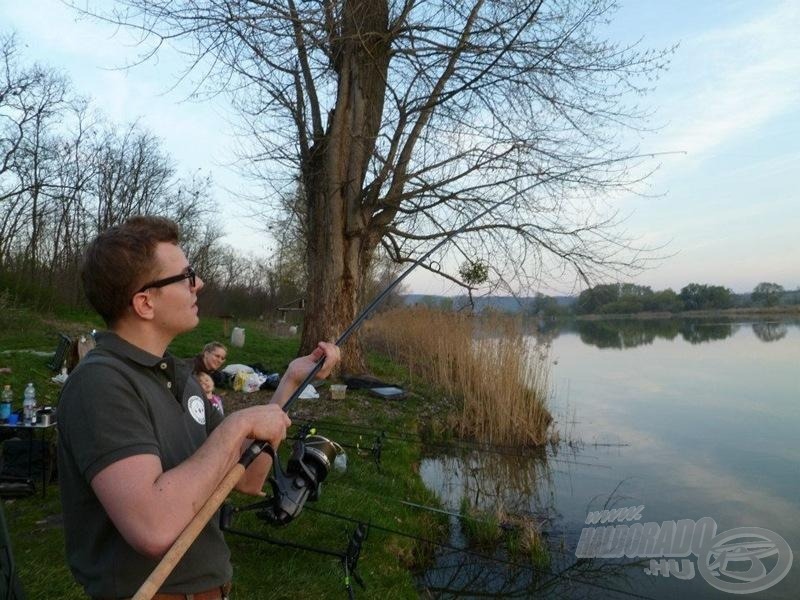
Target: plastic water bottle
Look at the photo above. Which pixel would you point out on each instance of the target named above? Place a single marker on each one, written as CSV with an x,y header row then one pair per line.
x,y
5,403
29,405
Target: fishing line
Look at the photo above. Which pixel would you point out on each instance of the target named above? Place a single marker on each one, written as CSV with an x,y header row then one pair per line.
x,y
398,435
504,525
409,437
422,539
459,445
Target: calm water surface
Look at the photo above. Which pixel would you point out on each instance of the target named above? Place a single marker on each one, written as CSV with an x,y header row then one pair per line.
x,y
690,419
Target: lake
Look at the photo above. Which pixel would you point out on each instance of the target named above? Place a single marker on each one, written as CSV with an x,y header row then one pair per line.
x,y
689,419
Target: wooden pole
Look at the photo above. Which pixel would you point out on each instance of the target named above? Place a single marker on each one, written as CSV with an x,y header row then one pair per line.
x,y
173,556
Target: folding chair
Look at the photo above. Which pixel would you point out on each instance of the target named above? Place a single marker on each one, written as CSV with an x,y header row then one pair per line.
x,y
60,354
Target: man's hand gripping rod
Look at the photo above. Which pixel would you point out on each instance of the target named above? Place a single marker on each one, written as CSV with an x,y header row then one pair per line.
x,y
170,560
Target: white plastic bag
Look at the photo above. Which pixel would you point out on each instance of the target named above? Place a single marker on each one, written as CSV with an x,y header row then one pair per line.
x,y
234,368
253,382
309,393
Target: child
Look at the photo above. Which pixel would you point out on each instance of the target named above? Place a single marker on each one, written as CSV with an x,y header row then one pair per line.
x,y
208,389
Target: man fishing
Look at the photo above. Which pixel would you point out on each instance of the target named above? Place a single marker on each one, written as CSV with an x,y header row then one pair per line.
x,y
140,447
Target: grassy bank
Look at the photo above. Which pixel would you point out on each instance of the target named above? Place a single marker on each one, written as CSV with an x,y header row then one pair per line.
x,y
364,492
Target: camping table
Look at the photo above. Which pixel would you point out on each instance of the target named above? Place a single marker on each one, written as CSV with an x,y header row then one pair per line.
x,y
45,450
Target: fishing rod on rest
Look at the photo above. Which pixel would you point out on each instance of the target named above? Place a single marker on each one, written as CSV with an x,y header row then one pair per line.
x,y
308,465
483,447
526,566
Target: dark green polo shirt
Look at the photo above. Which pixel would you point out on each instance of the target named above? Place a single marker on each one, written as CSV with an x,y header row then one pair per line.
x,y
119,402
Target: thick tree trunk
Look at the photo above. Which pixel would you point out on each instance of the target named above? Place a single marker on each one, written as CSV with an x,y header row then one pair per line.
x,y
333,293
340,238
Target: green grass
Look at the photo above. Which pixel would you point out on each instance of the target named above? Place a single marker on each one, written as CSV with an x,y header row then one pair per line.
x,y
482,528
519,535
261,570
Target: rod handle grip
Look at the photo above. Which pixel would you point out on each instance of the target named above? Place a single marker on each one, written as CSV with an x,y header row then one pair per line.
x,y
170,560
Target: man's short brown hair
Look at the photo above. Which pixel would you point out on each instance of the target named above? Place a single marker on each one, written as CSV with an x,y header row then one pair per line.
x,y
122,259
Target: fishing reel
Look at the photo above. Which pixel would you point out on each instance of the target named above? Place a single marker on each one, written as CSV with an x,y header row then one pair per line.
x,y
308,466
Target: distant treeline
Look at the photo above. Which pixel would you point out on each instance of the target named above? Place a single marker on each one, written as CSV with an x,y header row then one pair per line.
x,y
622,298
628,298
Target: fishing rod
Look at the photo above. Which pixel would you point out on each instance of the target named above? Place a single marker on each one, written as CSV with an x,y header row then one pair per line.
x,y
506,525
300,482
308,466
375,451
405,436
348,558
483,447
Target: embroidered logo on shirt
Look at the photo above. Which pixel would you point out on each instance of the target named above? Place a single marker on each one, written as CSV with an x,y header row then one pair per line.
x,y
197,409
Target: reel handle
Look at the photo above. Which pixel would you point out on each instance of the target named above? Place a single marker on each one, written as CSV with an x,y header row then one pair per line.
x,y
289,492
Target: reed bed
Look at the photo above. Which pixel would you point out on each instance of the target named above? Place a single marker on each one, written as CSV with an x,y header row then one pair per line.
x,y
498,383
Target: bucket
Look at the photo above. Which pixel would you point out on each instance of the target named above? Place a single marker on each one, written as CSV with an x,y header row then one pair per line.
x,y
237,337
338,390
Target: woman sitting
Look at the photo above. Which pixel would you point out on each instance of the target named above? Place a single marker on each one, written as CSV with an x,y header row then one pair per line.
x,y
210,361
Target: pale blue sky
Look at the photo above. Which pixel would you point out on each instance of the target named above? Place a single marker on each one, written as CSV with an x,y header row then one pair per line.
x,y
729,208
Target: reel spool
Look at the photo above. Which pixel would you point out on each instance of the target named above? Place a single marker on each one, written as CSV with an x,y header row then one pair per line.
x,y
309,464
323,452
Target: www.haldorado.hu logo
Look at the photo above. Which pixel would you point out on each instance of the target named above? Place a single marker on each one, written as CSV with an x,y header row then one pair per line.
x,y
730,561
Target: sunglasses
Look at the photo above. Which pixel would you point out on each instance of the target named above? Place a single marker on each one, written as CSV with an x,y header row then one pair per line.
x,y
158,283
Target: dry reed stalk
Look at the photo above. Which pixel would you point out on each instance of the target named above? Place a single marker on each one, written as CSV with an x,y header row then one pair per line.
x,y
487,366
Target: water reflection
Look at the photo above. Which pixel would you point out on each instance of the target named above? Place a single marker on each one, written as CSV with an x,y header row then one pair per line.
x,y
769,331
492,481
630,333
519,484
458,576
708,413
698,332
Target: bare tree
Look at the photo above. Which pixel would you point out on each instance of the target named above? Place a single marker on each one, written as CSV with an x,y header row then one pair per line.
x,y
32,102
74,168
66,174
404,118
134,176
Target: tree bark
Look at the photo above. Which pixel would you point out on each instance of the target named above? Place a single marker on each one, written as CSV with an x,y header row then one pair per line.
x,y
341,240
